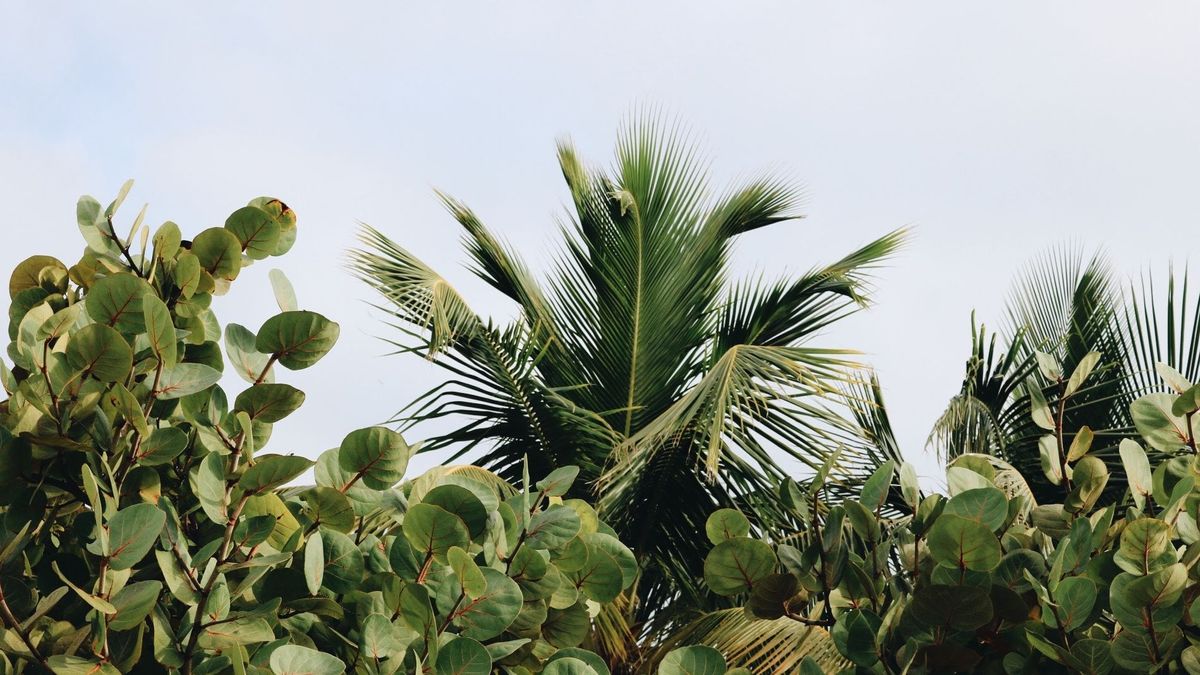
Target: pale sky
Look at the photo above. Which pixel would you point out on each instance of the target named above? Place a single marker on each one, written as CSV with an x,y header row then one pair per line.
x,y
996,129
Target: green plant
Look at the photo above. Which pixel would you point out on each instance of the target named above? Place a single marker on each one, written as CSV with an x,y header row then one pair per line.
x,y
986,580
676,391
143,526
1068,308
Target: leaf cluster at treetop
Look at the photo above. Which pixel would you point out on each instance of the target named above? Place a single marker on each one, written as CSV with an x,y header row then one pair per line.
x,y
143,527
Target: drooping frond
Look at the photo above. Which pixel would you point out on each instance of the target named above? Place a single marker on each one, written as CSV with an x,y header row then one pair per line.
x,y
788,312
419,297
762,202
750,389
864,397
495,391
762,646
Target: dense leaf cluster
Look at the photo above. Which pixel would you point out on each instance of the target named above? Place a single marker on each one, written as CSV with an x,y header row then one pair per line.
x,y
984,579
144,528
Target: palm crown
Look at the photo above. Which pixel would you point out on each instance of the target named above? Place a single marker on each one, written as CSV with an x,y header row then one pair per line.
x,y
674,389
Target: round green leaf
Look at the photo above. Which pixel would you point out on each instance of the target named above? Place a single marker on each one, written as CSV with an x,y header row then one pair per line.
x,y
568,666
161,446
559,481
28,273
693,660
283,215
592,659
461,502
726,524
271,471
286,524
600,577
734,566
133,604
219,253
60,323
620,553
432,530
167,240
269,403
116,300
297,339
553,527
377,455
298,660
1135,651
101,352
1075,598
961,543
329,508
463,656
987,506
344,564
1156,423
255,229
486,616
132,533
567,627
1145,545
771,594
1094,655
185,379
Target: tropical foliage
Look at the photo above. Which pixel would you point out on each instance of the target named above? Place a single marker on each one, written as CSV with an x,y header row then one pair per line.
x,y
143,527
1070,309
676,390
986,580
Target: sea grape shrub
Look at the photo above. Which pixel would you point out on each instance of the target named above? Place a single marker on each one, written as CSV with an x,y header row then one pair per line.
x,y
984,580
144,528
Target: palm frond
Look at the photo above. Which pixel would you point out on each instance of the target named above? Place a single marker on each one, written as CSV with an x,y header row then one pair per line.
x,y
787,312
674,393
762,646
1161,327
420,297
994,375
751,389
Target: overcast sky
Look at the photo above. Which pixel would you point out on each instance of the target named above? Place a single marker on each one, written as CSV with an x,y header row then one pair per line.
x,y
996,129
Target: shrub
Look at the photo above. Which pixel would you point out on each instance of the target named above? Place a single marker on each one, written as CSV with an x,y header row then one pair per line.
x,y
984,580
144,528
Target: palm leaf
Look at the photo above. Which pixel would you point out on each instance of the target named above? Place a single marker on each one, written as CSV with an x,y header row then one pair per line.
x,y
762,646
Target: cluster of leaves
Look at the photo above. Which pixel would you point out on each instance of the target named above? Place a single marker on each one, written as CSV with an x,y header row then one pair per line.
x,y
143,528
986,580
639,357
1076,308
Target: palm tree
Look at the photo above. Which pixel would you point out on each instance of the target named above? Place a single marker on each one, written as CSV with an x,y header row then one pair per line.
x,y
676,390
1067,304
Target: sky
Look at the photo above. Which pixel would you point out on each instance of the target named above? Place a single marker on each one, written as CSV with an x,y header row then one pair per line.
x,y
995,130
